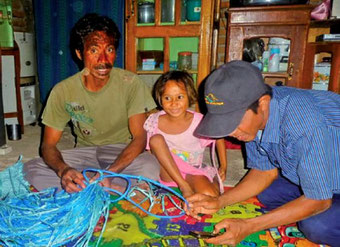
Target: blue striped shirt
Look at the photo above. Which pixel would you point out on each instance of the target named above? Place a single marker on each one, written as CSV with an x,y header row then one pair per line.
x,y
302,139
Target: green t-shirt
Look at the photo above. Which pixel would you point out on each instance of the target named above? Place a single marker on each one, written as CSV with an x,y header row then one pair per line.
x,y
99,118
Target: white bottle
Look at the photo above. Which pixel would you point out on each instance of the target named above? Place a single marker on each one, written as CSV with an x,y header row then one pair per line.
x,y
274,60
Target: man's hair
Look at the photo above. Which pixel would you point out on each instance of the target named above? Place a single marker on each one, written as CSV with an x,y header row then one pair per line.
x,y
254,106
90,23
179,77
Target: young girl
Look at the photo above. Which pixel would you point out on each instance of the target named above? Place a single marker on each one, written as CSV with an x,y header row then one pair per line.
x,y
171,138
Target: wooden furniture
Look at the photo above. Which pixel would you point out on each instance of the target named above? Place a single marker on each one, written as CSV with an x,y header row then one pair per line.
x,y
18,114
2,118
202,30
288,22
317,47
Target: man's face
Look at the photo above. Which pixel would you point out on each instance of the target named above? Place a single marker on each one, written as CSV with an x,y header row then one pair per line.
x,y
99,55
252,122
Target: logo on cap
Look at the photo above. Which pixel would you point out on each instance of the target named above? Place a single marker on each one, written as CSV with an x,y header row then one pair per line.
x,y
211,99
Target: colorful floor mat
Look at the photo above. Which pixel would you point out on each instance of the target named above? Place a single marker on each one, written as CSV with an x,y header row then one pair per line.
x,y
129,226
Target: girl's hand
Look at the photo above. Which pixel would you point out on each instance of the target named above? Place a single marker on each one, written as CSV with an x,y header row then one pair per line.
x,y
222,173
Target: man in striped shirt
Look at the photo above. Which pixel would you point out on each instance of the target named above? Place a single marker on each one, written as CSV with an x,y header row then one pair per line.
x,y
293,151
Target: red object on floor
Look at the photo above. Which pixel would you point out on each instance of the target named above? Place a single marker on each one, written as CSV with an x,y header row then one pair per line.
x,y
232,144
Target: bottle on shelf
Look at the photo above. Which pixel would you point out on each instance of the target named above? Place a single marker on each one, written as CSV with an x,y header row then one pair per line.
x,y
265,61
184,60
274,60
258,63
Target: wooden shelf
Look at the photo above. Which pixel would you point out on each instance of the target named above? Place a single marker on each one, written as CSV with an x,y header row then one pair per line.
x,y
275,74
317,47
325,23
154,72
287,22
202,30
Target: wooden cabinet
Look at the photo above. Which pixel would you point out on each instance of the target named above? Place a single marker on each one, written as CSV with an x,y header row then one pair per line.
x,y
16,81
289,22
316,47
194,36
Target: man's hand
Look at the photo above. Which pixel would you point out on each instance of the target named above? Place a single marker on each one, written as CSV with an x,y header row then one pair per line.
x,y
72,180
204,204
106,182
235,231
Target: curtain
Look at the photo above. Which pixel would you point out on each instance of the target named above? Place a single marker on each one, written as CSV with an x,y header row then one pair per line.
x,y
53,22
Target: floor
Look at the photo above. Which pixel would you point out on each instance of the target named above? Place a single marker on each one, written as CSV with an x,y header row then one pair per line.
x,y
28,147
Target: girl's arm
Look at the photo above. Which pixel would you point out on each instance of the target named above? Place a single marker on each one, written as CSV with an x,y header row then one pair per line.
x,y
222,158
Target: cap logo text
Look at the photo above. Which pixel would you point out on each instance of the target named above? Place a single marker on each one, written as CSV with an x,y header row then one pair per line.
x,y
211,99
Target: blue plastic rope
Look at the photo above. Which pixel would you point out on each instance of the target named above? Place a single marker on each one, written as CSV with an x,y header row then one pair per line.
x,y
51,218
150,194
48,218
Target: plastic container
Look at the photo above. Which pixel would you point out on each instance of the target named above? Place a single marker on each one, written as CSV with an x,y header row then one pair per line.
x,y
193,10
184,60
258,64
274,60
13,132
284,45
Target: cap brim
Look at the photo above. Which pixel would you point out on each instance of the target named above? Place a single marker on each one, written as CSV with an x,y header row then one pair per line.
x,y
219,125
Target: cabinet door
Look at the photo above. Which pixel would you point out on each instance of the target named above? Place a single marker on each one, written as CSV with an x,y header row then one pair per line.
x,y
284,22
161,37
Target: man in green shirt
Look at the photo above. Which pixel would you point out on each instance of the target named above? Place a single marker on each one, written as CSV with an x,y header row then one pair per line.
x,y
107,107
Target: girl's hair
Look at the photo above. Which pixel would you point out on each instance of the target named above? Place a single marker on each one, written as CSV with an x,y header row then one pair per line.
x,y
178,76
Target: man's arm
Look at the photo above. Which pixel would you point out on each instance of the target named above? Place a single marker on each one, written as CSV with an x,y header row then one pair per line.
x,y
294,211
251,185
135,147
70,178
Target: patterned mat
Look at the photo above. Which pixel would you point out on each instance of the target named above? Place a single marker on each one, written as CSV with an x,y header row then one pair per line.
x,y
129,226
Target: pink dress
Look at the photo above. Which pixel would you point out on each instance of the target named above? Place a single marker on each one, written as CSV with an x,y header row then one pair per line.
x,y
186,149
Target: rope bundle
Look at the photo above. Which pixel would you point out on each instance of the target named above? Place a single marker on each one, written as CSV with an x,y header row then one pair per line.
x,y
48,218
51,218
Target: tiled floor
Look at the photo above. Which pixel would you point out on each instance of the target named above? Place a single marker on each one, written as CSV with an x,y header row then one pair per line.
x,y
28,147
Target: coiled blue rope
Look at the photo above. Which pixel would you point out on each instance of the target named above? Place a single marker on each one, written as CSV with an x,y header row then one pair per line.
x,y
48,218
155,192
51,218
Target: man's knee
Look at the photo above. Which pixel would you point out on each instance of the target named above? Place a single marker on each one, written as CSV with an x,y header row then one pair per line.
x,y
320,230
145,165
38,174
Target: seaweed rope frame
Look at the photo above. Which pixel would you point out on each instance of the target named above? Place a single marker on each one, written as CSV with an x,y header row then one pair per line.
x,y
150,194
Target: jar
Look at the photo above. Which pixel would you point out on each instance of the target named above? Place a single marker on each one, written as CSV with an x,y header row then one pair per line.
x,y
184,60
146,12
168,11
193,10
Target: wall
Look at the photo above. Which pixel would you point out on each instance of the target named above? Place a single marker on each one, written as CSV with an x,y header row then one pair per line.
x,y
22,16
